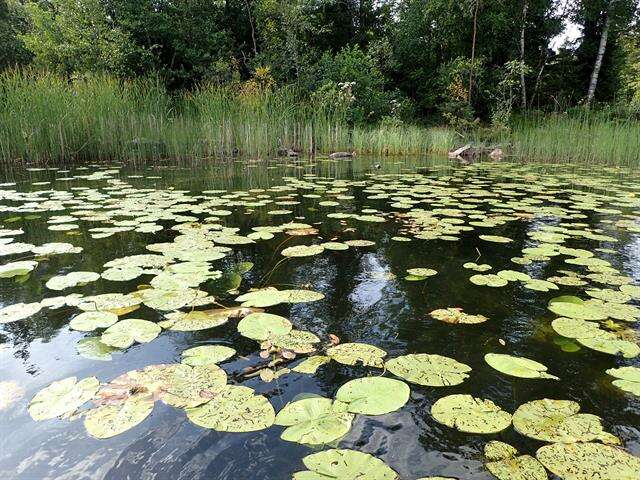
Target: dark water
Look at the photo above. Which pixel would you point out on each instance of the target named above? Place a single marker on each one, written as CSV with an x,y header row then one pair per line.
x,y
366,300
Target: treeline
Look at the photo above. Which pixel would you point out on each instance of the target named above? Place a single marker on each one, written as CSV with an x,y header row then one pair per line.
x,y
435,61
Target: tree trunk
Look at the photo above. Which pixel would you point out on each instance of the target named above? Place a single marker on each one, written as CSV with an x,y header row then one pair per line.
x,y
601,49
473,48
253,29
523,83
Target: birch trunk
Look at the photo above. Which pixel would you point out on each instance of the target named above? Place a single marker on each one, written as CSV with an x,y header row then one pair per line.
x,y
523,83
601,49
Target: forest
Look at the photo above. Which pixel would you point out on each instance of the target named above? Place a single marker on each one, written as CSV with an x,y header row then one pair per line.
x,y
455,70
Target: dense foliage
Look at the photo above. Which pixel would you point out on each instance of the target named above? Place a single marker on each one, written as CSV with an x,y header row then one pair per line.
x,y
438,60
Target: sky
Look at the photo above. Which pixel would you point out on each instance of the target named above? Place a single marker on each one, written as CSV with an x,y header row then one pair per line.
x,y
571,32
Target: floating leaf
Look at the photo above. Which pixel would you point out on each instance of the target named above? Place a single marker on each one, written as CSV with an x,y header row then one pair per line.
x,y
234,409
303,251
354,353
89,321
18,311
270,296
207,354
574,307
628,379
71,280
124,333
262,326
506,464
470,415
311,364
314,421
344,465
517,366
16,269
62,397
495,239
373,395
195,320
456,315
93,349
428,369
588,461
489,280
559,421
478,268
421,272
107,421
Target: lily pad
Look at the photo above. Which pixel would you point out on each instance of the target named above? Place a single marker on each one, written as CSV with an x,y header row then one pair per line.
x,y
628,379
310,365
262,326
107,421
428,369
559,421
344,465
89,321
517,366
93,349
588,461
16,269
470,415
489,280
207,354
303,251
126,332
314,421
72,279
456,315
506,464
195,320
373,395
354,353
18,311
234,409
61,398
574,307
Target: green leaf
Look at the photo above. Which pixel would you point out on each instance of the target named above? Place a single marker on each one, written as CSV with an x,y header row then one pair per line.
x,y
344,465
354,353
107,421
429,369
207,354
262,326
62,397
470,415
126,332
373,395
517,366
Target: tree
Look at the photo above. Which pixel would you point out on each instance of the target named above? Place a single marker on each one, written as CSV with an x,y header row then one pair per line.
x,y
13,22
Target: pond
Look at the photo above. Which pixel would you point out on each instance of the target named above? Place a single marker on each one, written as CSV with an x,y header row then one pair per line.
x,y
387,319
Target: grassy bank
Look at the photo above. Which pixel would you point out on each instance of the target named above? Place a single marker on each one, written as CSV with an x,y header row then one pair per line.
x,y
47,119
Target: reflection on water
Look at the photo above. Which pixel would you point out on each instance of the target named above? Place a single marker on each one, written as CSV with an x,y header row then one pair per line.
x,y
367,299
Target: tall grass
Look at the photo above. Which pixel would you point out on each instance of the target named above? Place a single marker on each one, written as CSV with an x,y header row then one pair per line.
x,y
48,119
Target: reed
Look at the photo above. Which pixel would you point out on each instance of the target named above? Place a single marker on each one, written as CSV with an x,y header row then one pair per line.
x,y
48,119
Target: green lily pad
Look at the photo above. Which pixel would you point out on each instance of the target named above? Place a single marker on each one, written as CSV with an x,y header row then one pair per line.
x,y
303,251
456,315
107,421
297,341
126,332
574,307
234,409
109,302
489,280
478,268
428,369
608,295
360,243
506,464
62,398
354,353
517,366
631,290
93,349
72,279
470,415
337,246
89,321
495,239
421,272
16,269
122,274
270,296
588,461
344,465
195,320
628,379
373,395
314,421
559,421
18,311
311,364
262,326
207,354
513,276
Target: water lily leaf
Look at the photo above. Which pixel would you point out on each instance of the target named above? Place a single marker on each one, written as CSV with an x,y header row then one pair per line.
x,y
124,333
360,243
353,353
523,467
207,354
303,251
421,272
72,279
587,461
488,280
608,342
335,246
574,307
89,321
496,450
608,295
429,370
311,364
16,269
517,366
270,296
373,395
195,320
495,239
234,409
513,276
314,421
18,311
122,274
62,397
470,415
456,315
478,268
166,300
117,303
559,421
297,341
344,465
107,421
628,379
93,349
262,326
631,290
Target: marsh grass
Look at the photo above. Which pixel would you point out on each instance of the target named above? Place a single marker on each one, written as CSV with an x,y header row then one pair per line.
x,y
48,119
